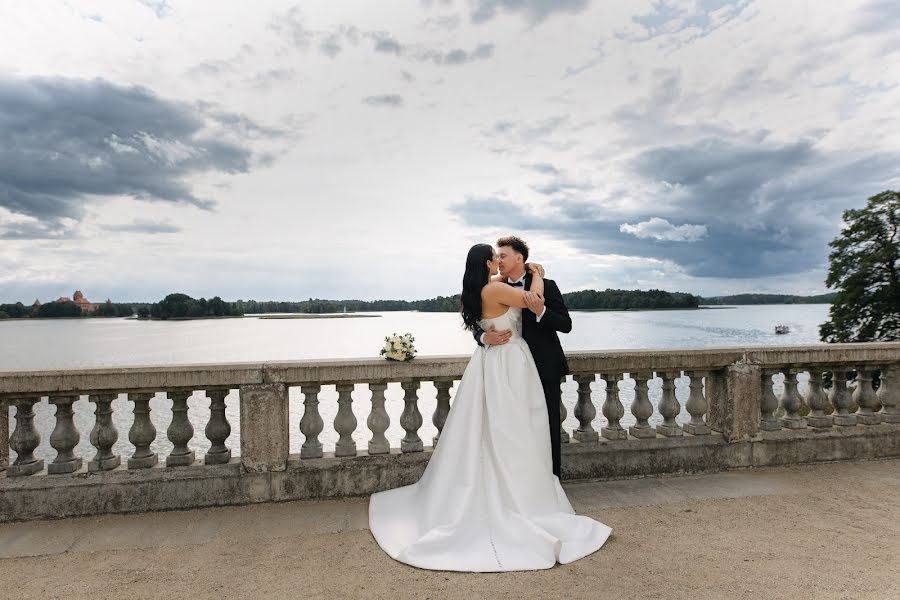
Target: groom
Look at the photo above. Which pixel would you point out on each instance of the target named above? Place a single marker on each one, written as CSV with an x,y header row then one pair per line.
x,y
539,326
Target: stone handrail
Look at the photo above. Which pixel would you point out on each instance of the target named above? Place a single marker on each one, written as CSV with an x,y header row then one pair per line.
x,y
219,375
731,403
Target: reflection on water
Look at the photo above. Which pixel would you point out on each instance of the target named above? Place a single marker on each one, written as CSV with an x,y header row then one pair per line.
x,y
48,344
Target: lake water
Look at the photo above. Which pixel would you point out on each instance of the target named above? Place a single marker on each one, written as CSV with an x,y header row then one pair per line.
x,y
84,343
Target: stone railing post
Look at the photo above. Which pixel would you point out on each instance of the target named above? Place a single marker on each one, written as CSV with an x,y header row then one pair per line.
x,y
142,433
25,439
563,413
442,408
641,408
768,403
715,400
840,399
791,401
217,429
180,431
65,437
817,401
669,406
411,418
311,425
697,405
265,429
345,421
104,434
613,409
865,398
4,435
888,395
585,411
379,419
739,403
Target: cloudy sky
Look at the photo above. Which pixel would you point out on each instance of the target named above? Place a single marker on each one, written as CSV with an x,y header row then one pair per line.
x,y
285,150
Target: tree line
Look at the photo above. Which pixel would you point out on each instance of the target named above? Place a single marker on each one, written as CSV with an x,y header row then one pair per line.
x,y
63,309
769,299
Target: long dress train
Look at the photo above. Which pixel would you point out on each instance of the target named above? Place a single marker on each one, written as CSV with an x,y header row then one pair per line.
x,y
488,499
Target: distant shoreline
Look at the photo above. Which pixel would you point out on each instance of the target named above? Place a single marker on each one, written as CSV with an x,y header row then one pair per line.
x,y
319,316
708,307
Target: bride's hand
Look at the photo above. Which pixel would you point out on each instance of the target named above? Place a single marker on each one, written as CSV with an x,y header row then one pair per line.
x,y
534,302
536,268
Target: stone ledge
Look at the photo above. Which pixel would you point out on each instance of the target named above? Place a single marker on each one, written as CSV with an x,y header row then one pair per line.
x,y
427,368
199,485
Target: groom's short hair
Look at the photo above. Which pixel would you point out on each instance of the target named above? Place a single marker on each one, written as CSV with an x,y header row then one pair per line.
x,y
516,243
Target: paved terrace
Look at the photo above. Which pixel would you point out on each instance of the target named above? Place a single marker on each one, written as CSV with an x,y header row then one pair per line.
x,y
827,530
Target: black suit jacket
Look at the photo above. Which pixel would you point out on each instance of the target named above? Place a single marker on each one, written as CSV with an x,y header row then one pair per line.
x,y
542,337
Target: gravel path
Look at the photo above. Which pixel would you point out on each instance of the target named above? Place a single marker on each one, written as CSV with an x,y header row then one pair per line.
x,y
816,531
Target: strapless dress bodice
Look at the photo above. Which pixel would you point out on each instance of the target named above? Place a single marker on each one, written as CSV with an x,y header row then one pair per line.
x,y
511,319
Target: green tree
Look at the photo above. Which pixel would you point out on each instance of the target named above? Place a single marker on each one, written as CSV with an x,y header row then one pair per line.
x,y
865,270
59,309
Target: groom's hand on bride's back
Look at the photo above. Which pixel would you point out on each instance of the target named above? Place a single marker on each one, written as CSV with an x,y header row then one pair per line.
x,y
496,337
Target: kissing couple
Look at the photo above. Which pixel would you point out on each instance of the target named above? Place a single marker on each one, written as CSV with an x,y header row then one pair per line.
x,y
490,497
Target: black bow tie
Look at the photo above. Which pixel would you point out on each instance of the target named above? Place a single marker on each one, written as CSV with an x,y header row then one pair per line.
x,y
516,283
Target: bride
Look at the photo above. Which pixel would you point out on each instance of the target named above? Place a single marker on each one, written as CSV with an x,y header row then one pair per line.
x,y
488,499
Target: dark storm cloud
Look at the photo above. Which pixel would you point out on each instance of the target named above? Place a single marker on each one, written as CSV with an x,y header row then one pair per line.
x,y
533,10
718,207
35,231
65,140
141,226
384,100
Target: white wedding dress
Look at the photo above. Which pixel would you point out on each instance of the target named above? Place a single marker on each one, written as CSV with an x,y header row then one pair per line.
x,y
488,499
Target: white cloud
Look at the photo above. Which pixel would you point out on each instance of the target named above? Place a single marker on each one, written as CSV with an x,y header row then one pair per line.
x,y
660,229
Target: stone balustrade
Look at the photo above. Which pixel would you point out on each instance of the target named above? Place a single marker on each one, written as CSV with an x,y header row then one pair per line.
x,y
732,418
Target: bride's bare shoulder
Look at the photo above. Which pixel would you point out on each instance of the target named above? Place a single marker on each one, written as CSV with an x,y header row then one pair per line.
x,y
492,288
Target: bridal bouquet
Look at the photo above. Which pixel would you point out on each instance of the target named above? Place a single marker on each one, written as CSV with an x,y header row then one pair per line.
x,y
399,347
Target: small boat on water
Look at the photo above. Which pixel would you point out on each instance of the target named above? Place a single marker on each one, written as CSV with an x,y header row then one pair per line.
x,y
782,329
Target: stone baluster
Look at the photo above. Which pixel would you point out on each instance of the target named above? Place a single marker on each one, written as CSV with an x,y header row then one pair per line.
x,y
563,413
817,401
889,395
25,439
104,434
865,398
345,421
585,411
65,437
768,402
442,409
697,405
411,418
218,429
142,433
669,407
642,408
4,434
840,399
613,409
311,425
791,401
378,420
180,431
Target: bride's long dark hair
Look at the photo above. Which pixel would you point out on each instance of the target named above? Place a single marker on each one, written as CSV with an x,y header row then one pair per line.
x,y
475,278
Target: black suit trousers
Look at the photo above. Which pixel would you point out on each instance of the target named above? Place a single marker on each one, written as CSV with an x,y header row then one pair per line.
x,y
553,396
